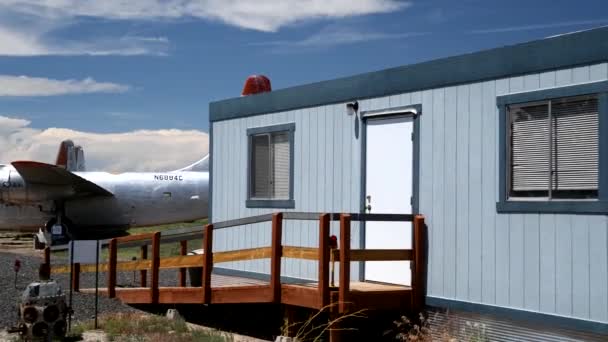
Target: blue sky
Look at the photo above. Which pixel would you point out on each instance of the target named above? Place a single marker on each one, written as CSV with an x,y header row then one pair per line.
x,y
108,67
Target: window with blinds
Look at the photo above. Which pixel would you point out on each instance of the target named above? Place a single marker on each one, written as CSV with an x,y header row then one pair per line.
x,y
270,166
554,148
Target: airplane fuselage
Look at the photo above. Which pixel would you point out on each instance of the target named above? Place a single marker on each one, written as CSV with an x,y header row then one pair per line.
x,y
139,199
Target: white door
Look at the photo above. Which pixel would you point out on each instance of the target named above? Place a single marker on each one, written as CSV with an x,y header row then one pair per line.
x,y
389,188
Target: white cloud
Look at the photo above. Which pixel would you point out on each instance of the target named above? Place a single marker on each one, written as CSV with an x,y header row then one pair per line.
x,y
142,150
39,86
8,124
30,27
36,42
333,35
540,26
13,43
262,15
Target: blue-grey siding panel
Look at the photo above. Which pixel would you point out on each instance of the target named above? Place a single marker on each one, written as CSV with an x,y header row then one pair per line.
x,y
549,263
563,272
488,254
598,269
475,232
461,264
502,231
580,267
325,148
437,236
516,260
532,262
449,238
547,250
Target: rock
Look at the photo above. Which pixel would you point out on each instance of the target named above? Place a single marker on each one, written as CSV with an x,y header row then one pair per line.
x,y
173,314
94,336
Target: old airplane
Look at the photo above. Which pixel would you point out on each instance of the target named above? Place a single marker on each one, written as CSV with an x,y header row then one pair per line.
x,y
63,201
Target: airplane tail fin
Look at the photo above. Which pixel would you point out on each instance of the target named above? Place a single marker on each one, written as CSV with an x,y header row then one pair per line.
x,y
199,166
70,157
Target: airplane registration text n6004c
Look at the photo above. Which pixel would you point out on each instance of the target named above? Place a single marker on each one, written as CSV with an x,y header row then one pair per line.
x,y
169,177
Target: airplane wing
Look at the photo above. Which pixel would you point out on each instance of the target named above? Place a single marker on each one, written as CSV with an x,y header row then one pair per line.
x,y
47,174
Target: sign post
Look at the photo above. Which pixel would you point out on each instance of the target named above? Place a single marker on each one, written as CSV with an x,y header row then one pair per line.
x,y
96,282
70,282
85,252
17,267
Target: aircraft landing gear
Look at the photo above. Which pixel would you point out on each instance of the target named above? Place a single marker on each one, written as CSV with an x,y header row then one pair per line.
x,y
59,230
38,244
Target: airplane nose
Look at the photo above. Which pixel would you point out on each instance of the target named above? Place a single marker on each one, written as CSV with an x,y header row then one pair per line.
x,y
3,189
4,185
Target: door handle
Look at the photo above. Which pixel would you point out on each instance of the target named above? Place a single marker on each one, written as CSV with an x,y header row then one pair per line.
x,y
368,207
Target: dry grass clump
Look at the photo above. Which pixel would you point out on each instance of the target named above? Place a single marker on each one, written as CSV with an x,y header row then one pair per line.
x,y
409,331
131,327
422,331
309,330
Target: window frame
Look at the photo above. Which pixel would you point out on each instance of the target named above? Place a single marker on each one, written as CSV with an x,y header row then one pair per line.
x,y
250,202
597,205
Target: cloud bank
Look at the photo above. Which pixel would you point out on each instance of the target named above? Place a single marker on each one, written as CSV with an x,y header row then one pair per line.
x,y
143,150
36,40
261,15
39,86
29,27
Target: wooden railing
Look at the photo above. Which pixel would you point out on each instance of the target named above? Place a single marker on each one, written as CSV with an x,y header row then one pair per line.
x,y
344,255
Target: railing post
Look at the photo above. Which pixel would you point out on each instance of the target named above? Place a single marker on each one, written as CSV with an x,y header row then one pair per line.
x,y
207,263
344,262
155,268
47,260
182,271
76,277
324,259
419,264
47,255
143,274
275,260
112,268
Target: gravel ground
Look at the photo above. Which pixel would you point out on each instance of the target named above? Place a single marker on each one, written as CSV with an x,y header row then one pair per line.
x,y
83,304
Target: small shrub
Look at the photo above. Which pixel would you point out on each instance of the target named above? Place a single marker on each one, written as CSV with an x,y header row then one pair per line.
x,y
148,328
408,331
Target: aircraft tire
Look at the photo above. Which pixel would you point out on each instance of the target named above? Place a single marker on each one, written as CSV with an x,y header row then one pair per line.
x,y
67,227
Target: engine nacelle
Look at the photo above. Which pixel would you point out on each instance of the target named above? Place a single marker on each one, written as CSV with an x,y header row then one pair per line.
x,y
14,190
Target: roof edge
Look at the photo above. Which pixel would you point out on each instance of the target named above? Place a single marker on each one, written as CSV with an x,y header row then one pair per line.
x,y
578,48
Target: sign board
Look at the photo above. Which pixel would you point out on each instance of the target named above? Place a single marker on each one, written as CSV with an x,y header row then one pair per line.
x,y
84,251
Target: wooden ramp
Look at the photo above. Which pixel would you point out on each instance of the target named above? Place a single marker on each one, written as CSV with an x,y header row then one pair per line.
x,y
236,290
347,296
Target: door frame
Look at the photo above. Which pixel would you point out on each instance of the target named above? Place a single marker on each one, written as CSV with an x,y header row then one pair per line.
x,y
414,111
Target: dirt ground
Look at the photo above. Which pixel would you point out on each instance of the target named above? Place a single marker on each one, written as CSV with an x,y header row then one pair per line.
x,y
21,244
18,243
